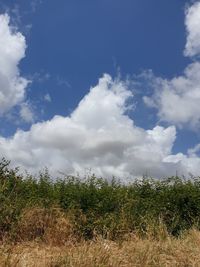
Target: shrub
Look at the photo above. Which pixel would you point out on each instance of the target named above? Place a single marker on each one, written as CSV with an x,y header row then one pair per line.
x,y
93,206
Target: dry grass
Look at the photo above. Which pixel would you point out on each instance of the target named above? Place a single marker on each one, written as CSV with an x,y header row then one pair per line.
x,y
52,226
169,251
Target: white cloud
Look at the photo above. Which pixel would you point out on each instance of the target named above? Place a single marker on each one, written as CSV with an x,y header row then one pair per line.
x,y
177,100
26,113
98,136
192,23
12,50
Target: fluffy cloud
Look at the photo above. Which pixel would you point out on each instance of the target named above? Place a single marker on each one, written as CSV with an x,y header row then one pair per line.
x,y
177,100
192,23
12,50
99,136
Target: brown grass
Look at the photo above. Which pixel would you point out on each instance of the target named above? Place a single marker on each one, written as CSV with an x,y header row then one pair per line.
x,y
48,238
51,226
135,251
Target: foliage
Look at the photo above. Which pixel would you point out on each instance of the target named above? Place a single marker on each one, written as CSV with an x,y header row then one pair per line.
x,y
96,206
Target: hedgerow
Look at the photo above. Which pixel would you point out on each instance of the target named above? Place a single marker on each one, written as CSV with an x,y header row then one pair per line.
x,y
95,206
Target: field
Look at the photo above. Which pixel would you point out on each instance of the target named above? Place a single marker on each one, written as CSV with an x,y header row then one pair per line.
x,y
93,222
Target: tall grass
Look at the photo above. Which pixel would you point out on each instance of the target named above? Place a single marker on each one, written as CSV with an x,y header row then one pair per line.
x,y
55,211
133,252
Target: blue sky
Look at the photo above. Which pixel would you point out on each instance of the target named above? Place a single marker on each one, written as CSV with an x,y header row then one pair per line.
x,y
146,46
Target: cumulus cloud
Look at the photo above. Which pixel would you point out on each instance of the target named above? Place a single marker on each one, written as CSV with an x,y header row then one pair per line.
x,y
98,135
12,50
192,23
177,100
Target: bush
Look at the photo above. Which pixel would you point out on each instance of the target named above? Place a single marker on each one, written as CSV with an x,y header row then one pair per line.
x,y
92,206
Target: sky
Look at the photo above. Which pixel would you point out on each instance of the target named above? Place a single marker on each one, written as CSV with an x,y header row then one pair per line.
x,y
109,87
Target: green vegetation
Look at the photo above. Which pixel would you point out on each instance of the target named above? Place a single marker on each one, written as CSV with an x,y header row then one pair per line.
x,y
85,208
